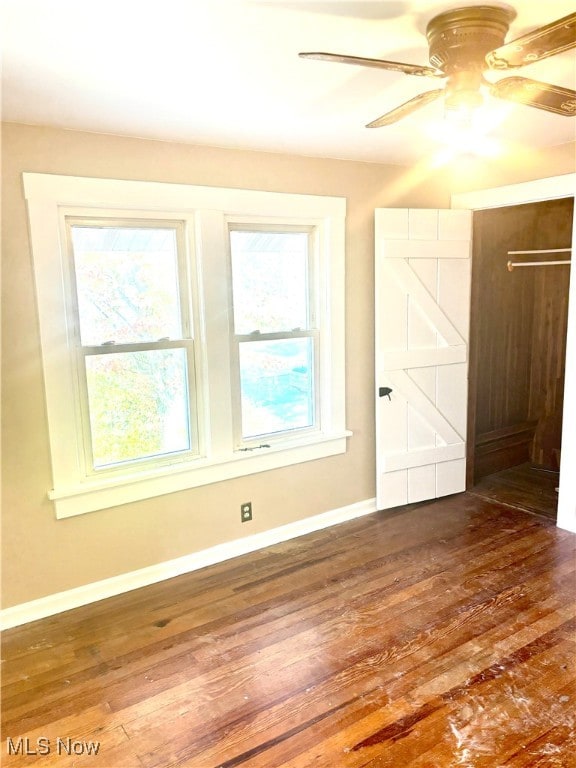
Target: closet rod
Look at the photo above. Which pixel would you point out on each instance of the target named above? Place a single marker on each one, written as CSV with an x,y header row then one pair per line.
x,y
543,250
511,264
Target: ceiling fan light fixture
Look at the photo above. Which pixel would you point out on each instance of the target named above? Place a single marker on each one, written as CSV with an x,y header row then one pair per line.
x,y
461,141
463,90
463,43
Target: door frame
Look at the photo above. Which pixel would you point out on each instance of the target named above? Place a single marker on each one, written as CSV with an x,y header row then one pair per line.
x,y
549,188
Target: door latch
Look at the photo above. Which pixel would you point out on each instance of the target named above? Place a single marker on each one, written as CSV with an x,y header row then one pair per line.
x,y
384,392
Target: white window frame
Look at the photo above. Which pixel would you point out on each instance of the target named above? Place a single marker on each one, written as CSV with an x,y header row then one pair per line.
x,y
311,331
185,343
206,213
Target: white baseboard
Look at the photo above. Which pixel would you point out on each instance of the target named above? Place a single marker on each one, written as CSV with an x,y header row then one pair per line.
x,y
99,590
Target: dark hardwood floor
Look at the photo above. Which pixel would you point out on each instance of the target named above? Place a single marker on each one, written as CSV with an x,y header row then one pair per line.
x,y
526,487
439,636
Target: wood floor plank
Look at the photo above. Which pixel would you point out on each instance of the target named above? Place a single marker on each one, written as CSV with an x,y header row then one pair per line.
x,y
393,640
528,487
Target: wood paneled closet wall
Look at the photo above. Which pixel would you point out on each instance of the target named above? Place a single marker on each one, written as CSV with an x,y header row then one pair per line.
x,y
517,337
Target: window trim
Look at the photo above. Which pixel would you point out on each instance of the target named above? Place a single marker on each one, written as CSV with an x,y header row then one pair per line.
x,y
206,212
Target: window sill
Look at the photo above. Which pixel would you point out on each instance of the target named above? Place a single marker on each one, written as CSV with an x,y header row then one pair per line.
x,y
103,493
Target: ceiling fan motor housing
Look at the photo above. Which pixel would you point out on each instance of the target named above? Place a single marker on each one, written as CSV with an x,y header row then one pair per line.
x,y
460,39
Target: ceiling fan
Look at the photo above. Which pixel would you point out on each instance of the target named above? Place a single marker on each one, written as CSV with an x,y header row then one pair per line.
x,y
466,42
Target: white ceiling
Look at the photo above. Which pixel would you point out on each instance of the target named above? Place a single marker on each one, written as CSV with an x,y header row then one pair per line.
x,y
227,73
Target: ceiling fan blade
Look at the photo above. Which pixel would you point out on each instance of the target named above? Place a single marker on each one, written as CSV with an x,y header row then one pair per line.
x,y
407,108
395,66
545,41
533,93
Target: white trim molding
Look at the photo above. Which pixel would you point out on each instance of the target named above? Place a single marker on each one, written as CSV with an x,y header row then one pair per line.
x,y
549,188
203,215
117,585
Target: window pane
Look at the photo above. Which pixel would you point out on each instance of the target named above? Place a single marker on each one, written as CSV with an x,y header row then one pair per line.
x,y
138,403
269,281
277,386
127,283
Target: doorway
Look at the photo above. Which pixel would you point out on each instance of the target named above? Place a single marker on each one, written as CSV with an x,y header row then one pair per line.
x,y
519,317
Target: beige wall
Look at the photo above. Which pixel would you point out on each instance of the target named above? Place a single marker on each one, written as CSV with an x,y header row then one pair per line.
x,y
41,555
514,168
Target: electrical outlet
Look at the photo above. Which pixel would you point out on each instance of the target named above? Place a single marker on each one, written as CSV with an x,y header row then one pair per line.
x,y
246,512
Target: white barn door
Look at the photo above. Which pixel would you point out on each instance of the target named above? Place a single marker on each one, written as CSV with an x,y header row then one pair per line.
x,y
422,276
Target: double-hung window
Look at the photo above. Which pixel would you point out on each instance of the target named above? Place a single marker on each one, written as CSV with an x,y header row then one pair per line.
x,y
275,332
189,334
131,327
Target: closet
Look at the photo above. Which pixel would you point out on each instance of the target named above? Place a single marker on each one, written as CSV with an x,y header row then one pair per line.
x,y
519,311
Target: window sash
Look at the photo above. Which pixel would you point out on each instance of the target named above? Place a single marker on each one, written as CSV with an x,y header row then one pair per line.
x,y
249,443
311,331
279,227
192,420
139,222
82,352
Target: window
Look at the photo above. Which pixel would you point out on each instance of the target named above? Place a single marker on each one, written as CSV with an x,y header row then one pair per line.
x,y
189,334
275,333
132,339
